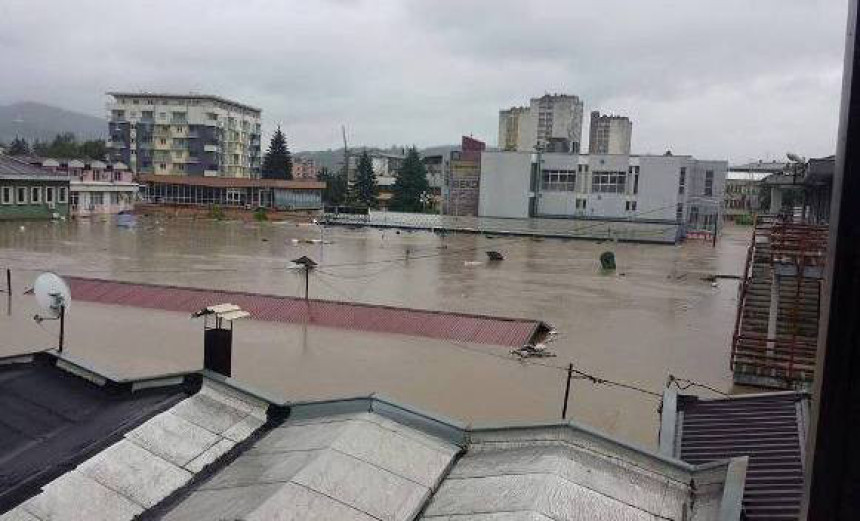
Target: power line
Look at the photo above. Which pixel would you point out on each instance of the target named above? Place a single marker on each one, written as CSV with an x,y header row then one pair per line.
x,y
684,384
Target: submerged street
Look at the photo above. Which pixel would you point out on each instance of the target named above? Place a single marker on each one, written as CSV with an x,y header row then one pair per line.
x,y
653,317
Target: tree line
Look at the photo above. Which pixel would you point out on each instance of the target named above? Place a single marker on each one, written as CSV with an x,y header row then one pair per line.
x,y
64,146
410,192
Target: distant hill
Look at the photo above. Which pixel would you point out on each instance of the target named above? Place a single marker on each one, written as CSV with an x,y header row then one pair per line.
x,y
333,159
38,121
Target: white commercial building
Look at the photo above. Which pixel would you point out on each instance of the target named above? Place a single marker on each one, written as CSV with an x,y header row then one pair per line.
x,y
609,134
551,122
667,188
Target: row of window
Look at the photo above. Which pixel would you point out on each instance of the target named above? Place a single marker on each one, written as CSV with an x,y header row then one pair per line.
x,y
189,102
33,195
608,183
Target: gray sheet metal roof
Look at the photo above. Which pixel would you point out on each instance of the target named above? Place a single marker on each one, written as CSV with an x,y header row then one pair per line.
x,y
152,461
563,472
358,465
769,428
52,419
13,168
228,453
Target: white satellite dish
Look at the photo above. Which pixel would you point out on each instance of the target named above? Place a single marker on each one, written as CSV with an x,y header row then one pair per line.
x,y
52,293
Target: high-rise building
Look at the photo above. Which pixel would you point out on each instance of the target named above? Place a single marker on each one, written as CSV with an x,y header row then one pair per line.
x,y
513,128
184,134
463,179
552,121
609,134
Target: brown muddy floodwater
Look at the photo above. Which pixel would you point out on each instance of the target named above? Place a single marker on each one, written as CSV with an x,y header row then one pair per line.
x,y
653,317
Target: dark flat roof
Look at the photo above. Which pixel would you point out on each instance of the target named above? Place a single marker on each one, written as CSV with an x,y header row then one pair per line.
x,y
51,420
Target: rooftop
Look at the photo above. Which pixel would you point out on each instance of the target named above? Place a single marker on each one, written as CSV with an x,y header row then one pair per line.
x,y
228,452
54,419
231,182
342,315
770,428
14,168
189,95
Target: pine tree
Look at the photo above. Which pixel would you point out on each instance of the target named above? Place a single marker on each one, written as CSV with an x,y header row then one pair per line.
x,y
364,189
278,163
18,147
410,186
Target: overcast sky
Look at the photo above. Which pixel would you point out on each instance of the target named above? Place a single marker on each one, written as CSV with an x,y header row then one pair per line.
x,y
734,79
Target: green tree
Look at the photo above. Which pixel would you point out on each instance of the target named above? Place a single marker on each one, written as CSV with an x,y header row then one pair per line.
x,y
18,147
278,163
411,184
335,186
94,149
63,146
364,189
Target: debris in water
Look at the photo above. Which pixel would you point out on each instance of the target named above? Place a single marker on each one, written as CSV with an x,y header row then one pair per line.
x,y
533,351
495,256
472,263
264,239
607,260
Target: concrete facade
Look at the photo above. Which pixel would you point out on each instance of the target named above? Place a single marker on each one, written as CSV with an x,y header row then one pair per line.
x,y
609,134
175,134
550,121
650,188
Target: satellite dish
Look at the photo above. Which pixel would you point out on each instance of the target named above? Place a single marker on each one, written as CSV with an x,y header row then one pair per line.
x,y
52,293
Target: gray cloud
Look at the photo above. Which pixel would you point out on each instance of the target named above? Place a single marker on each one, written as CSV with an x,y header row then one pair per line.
x,y
730,78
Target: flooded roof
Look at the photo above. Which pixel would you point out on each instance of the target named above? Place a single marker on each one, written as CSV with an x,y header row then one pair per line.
x,y
343,315
770,428
53,419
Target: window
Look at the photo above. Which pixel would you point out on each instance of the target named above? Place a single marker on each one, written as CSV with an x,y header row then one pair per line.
x,y
608,182
147,114
679,212
632,206
21,195
6,195
178,117
636,182
96,199
709,183
682,180
558,180
49,194
580,204
62,195
162,141
211,116
74,199
162,115
35,194
118,114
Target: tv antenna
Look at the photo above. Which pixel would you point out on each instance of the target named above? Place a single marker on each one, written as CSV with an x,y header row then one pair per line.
x,y
53,295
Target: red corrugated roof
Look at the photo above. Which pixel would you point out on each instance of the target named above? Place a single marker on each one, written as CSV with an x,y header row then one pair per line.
x,y
344,315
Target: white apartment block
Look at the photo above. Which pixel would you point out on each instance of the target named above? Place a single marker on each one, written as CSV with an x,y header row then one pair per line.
x,y
672,189
186,135
552,122
609,134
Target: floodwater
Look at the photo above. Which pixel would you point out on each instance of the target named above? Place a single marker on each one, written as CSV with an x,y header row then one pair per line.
x,y
653,317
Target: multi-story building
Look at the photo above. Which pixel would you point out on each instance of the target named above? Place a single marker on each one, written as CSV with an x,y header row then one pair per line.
x,y
185,135
609,134
463,179
668,188
513,128
305,168
743,191
552,121
95,186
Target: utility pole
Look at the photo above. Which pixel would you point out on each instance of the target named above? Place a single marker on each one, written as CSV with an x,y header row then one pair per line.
x,y
308,265
345,155
566,392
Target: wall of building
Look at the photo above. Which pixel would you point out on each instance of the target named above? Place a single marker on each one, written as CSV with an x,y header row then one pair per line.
x,y
609,134
28,210
505,184
600,186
